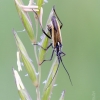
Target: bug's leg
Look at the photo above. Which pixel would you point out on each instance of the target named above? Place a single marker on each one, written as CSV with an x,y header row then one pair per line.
x,y
42,47
39,46
54,74
57,17
46,33
62,54
49,46
41,25
50,57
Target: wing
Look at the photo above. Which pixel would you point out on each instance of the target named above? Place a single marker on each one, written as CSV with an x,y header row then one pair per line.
x,y
56,33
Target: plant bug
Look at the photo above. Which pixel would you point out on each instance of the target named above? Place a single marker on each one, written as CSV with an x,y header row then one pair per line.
x,y
55,35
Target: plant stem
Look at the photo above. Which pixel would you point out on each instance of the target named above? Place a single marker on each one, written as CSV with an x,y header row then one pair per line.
x,y
39,67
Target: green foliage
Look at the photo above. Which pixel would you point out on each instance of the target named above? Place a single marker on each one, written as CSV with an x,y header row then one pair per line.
x,y
25,20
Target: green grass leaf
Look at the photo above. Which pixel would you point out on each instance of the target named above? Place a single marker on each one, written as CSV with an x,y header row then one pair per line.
x,y
26,21
26,60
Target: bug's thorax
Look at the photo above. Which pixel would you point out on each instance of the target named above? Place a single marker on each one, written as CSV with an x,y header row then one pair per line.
x,y
58,49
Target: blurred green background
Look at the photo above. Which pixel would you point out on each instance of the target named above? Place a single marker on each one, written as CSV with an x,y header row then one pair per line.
x,y
81,43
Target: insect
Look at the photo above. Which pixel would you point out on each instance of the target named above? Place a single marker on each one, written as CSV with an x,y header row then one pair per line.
x,y
55,35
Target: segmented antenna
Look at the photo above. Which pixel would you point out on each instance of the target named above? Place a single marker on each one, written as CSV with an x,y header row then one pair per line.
x,y
66,71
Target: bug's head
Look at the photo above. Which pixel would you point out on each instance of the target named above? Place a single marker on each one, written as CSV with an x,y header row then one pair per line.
x,y
58,49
